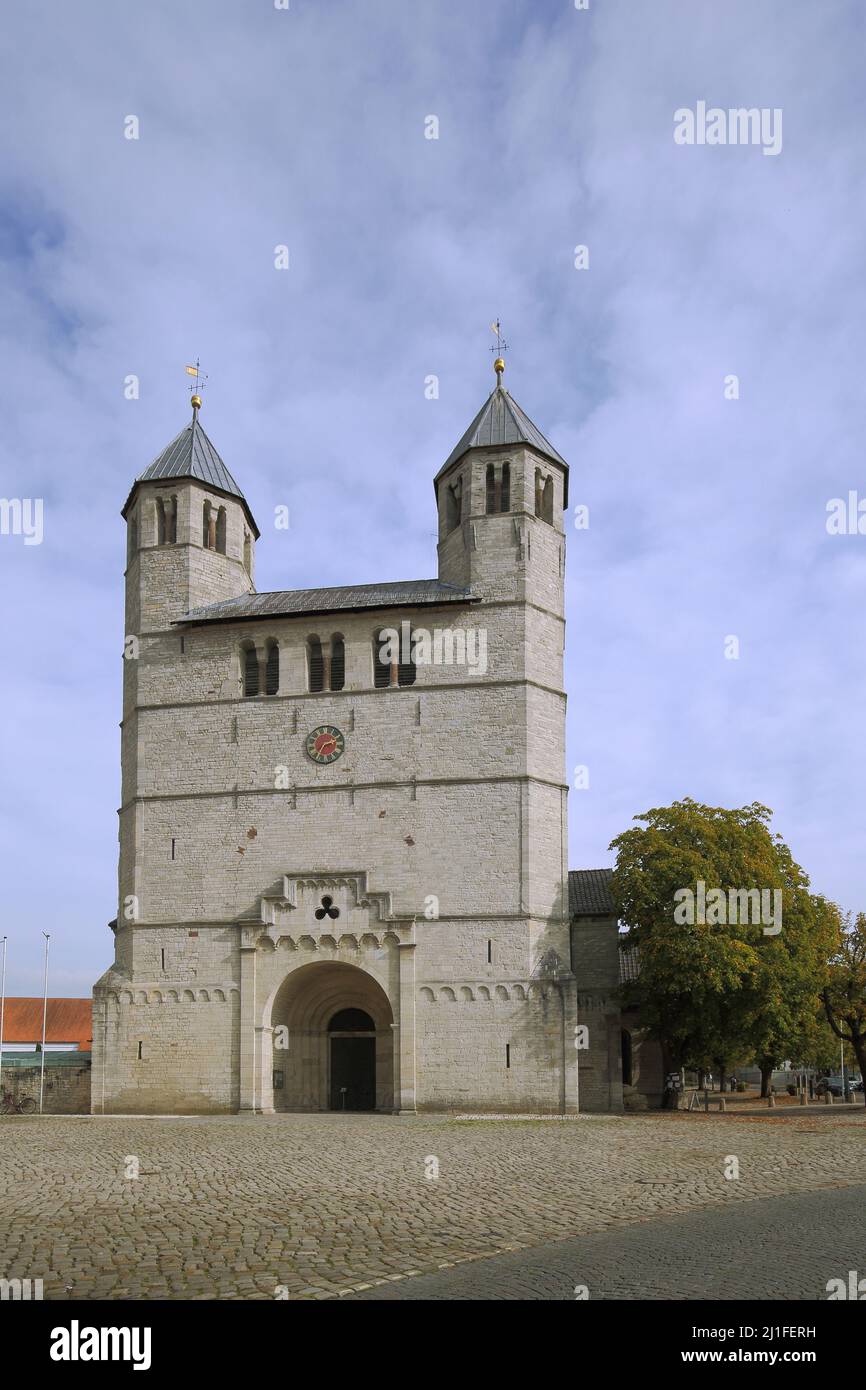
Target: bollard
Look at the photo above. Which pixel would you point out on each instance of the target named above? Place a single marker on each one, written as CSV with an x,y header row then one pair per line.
x,y
707,1102
771,1101
828,1099
802,1097
722,1103
850,1098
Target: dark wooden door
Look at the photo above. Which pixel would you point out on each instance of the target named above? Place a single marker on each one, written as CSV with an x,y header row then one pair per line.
x,y
353,1073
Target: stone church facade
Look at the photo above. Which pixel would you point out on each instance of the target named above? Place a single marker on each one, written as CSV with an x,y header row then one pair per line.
x,y
343,878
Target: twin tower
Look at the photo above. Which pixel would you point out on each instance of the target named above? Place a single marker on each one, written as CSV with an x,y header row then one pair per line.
x,y
343,872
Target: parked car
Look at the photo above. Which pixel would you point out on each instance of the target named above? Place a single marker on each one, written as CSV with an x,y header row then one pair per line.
x,y
834,1085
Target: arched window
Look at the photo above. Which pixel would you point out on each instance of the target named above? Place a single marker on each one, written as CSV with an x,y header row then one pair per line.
x,y
166,520
338,662
498,488
505,494
221,531
272,668
381,664
315,665
538,492
491,489
205,525
453,504
627,1065
547,501
251,671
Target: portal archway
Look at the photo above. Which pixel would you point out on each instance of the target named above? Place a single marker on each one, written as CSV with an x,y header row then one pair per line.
x,y
332,1030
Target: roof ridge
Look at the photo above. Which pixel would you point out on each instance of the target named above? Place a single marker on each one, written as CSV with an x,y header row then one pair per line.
x,y
395,593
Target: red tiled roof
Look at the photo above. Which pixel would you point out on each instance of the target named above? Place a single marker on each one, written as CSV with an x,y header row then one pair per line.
x,y
68,1021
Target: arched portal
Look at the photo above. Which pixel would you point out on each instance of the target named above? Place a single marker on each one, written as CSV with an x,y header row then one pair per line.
x,y
333,1040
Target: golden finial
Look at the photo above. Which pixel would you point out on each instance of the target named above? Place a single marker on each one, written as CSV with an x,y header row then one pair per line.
x,y
200,380
501,347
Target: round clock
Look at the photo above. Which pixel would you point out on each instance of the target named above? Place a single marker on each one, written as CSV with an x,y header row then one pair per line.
x,y
325,744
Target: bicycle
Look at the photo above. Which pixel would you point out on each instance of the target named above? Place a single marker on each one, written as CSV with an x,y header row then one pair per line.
x,y
10,1106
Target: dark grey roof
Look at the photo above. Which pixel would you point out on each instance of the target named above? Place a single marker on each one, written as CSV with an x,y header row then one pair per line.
x,y
191,455
589,893
403,593
629,964
500,421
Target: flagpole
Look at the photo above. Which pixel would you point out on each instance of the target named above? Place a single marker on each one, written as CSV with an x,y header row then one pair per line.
x,y
44,1019
2,1012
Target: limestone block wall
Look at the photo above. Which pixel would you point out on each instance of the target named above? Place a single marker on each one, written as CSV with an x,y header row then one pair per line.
x,y
495,1047
595,953
595,962
66,1089
160,1048
428,789
600,1066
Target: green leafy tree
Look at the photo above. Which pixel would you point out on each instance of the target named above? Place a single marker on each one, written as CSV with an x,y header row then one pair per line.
x,y
793,968
716,988
844,996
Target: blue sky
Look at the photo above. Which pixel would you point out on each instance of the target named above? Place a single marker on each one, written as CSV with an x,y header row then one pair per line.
x,y
305,127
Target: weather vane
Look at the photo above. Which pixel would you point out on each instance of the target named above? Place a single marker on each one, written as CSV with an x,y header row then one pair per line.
x,y
198,387
501,347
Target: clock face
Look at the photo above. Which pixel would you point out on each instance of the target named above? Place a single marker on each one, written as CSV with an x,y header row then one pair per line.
x,y
325,744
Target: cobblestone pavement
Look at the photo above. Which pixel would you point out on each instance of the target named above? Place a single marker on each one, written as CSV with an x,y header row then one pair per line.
x,y
237,1207
772,1248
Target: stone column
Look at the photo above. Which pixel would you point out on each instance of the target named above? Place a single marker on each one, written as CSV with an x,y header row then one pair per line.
x,y
395,1055
262,659
404,1037
247,1048
265,1052
567,986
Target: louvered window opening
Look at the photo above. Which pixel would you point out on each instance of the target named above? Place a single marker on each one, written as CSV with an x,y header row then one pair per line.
x,y
338,664
251,672
381,666
407,670
317,665
491,489
272,669
498,489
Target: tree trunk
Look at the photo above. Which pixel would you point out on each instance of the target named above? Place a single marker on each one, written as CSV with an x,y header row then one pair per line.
x,y
766,1078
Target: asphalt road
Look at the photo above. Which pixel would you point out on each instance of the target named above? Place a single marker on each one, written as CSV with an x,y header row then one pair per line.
x,y
772,1248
